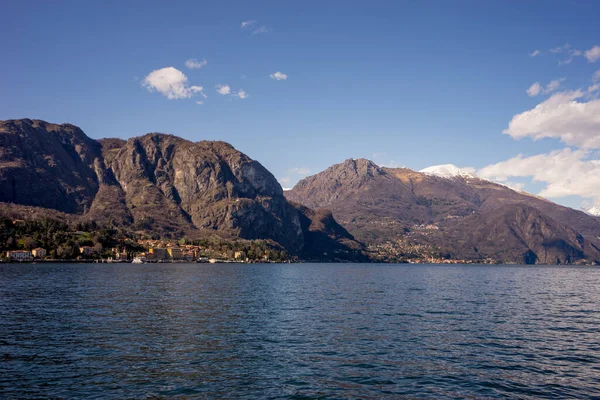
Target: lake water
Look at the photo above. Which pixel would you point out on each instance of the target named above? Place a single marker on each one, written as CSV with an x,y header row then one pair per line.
x,y
299,331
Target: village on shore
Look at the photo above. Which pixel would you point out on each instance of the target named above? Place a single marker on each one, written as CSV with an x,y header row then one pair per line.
x,y
156,251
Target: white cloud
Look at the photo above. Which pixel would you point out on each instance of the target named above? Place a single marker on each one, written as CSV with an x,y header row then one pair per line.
x,y
285,183
204,95
199,102
593,54
262,29
596,76
300,170
562,116
192,63
534,89
297,173
518,186
535,53
572,54
278,76
537,88
560,49
383,160
247,24
241,94
223,89
170,82
553,85
566,48
565,172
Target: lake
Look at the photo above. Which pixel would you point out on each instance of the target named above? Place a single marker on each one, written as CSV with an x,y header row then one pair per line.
x,y
299,331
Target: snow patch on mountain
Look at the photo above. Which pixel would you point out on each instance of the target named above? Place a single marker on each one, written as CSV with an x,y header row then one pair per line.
x,y
595,211
448,171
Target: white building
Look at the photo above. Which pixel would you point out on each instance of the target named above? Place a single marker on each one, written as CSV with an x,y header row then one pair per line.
x,y
19,255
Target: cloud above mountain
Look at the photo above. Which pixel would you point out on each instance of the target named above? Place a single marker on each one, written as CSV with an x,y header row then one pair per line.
x,y
564,172
566,116
570,116
171,83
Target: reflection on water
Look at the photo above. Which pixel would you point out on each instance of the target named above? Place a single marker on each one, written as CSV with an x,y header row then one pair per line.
x,y
299,331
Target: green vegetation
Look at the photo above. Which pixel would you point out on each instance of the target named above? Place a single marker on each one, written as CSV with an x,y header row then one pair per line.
x,y
63,241
60,240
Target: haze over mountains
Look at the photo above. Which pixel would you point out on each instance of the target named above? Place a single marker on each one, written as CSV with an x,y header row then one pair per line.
x,y
168,186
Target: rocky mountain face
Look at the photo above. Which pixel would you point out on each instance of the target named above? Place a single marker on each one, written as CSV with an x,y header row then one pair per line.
x,y
455,212
157,183
178,184
48,165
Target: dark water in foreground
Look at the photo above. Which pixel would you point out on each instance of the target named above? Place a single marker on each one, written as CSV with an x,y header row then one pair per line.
x,y
299,331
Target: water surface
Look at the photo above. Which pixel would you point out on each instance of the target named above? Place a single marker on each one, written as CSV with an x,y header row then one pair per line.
x,y
299,331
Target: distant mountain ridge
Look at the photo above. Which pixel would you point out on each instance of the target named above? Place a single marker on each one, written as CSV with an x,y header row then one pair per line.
x,y
157,183
453,211
164,185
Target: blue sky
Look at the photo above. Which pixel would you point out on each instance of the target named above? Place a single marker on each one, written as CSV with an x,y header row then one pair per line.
x,y
404,83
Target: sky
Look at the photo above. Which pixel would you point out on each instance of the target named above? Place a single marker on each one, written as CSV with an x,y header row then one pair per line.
x,y
507,89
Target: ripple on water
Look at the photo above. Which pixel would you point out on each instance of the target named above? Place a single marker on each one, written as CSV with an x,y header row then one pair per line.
x,y
298,331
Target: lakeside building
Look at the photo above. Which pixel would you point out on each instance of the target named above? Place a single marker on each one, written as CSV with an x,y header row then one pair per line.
x,y
157,253
175,252
120,255
39,252
19,255
87,250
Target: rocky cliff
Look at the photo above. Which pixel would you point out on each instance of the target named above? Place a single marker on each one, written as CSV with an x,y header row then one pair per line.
x,y
156,183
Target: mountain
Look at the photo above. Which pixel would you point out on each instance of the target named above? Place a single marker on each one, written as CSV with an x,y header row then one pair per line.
x,y
48,165
157,183
448,212
325,239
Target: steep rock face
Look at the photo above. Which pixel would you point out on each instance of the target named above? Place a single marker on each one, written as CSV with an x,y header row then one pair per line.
x,y
325,239
48,165
460,214
175,183
156,183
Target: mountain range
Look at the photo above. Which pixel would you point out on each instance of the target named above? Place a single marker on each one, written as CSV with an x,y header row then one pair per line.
x,y
160,184
170,187
451,211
